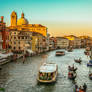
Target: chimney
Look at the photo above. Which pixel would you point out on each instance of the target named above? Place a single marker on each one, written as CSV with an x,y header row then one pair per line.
x,y
2,19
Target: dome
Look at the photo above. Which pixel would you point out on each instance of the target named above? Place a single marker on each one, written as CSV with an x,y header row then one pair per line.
x,y
22,20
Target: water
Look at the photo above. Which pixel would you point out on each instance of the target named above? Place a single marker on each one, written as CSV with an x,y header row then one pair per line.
x,y
19,77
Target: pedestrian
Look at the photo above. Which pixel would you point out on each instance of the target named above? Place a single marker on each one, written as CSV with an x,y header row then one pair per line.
x,y
23,59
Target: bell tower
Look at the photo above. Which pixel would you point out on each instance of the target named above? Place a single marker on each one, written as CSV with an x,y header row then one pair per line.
x,y
13,19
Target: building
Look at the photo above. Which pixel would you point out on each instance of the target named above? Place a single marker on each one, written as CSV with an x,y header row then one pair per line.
x,y
19,41
62,42
52,43
23,24
74,41
86,41
3,34
38,31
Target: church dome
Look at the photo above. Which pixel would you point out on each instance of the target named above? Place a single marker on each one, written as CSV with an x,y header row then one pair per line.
x,y
22,20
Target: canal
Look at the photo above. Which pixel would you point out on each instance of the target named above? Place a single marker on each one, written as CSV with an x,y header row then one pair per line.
x,y
19,77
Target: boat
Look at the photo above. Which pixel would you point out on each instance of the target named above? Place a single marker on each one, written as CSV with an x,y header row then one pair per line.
x,y
5,58
78,60
72,75
60,53
86,52
89,63
47,73
69,50
72,68
90,76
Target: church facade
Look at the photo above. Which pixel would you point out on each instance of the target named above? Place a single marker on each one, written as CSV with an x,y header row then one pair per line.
x,y
23,24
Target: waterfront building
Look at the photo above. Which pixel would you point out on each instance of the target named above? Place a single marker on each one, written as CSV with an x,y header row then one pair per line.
x,y
52,43
74,41
19,41
62,42
86,41
38,31
23,24
3,34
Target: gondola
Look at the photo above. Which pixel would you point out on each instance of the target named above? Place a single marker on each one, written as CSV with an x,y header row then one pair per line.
x,y
71,68
72,75
60,53
78,60
90,76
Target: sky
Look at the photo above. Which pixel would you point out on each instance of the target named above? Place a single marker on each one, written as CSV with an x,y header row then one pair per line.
x,y
61,17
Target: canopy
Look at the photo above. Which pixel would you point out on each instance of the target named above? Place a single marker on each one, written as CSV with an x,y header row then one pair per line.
x,y
48,68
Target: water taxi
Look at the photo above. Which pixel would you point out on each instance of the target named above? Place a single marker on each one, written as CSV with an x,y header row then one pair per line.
x,y
47,73
60,53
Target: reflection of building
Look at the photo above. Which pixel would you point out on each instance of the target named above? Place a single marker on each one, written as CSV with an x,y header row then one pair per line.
x,y
62,42
19,40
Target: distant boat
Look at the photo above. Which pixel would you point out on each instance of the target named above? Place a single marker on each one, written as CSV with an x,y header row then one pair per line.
x,y
78,60
90,73
89,63
47,73
60,53
72,75
71,68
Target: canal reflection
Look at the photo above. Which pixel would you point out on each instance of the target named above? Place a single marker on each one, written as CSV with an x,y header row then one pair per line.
x,y
21,77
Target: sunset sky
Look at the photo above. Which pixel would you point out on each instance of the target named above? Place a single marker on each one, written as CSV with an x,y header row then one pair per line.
x,y
61,17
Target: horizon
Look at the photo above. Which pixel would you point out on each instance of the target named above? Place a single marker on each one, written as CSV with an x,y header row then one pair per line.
x,y
61,17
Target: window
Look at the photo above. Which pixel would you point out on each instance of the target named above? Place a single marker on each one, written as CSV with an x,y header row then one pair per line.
x,y
14,48
18,37
22,37
14,42
14,37
19,47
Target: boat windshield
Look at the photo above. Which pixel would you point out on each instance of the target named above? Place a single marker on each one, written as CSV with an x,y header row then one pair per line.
x,y
46,76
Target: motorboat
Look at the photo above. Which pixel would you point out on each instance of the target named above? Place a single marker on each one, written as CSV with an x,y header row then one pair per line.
x,y
89,63
47,73
60,53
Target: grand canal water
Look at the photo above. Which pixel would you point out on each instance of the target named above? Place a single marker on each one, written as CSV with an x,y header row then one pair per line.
x,y
19,77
